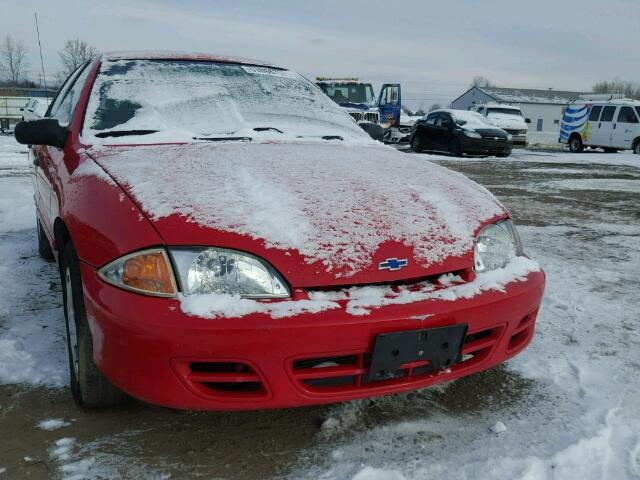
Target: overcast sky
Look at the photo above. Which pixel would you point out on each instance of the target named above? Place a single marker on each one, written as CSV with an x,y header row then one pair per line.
x,y
433,48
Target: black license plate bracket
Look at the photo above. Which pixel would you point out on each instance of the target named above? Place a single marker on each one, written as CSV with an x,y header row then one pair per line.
x,y
441,347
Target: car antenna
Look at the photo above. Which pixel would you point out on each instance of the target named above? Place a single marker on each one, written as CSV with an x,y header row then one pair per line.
x,y
44,78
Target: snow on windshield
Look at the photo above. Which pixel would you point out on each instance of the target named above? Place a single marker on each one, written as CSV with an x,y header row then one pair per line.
x,y
471,119
186,99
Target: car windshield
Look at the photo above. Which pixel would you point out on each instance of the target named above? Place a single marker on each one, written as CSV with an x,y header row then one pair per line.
x,y
504,111
638,111
182,100
349,92
471,120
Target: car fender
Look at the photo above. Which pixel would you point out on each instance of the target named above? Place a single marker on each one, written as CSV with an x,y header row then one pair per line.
x,y
101,219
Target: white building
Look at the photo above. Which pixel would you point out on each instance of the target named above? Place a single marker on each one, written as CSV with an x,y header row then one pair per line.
x,y
542,109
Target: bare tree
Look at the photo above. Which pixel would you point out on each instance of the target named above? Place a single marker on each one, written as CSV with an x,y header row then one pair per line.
x,y
74,54
628,89
13,60
481,81
435,106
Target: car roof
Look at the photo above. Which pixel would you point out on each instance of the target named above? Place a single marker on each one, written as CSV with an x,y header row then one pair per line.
x,y
500,105
452,111
615,102
196,56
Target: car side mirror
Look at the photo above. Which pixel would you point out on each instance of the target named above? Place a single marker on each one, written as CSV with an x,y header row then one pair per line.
x,y
527,120
44,131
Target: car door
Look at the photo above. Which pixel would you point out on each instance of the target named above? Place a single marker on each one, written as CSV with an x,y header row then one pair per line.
x,y
601,131
625,128
390,104
592,124
425,131
46,158
445,132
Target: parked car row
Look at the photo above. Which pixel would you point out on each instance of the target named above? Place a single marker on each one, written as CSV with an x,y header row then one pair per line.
x,y
229,238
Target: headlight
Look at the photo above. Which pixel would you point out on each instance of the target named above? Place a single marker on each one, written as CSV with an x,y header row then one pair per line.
x,y
219,270
147,271
472,134
509,137
496,245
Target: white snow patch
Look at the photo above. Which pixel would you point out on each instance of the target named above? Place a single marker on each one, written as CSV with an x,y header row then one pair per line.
x,y
358,300
604,184
370,473
89,168
221,305
498,428
17,210
53,424
330,423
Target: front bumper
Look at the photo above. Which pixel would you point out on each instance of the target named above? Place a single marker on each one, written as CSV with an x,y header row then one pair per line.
x,y
154,352
486,146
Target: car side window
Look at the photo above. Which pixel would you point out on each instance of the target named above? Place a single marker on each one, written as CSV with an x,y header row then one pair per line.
x,y
65,108
607,114
445,121
627,115
595,113
431,119
57,100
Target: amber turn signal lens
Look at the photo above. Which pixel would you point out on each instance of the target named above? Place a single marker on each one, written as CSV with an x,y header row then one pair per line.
x,y
148,272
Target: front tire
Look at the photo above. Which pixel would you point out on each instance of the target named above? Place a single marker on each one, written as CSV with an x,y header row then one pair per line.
x,y
575,144
455,148
44,247
89,387
416,144
636,147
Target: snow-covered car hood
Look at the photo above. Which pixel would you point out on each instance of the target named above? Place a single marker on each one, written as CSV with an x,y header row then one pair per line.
x,y
322,213
512,122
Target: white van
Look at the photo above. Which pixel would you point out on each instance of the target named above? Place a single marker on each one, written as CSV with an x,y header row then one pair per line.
x,y
612,124
506,117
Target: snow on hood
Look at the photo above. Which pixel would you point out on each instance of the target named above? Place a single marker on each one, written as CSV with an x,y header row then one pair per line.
x,y
332,202
507,120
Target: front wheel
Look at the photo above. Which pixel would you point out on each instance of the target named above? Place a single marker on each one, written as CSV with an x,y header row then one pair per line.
x,y
416,144
636,148
44,247
576,145
89,387
455,148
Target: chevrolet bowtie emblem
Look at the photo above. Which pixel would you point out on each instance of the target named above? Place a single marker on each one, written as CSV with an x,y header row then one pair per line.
x,y
393,264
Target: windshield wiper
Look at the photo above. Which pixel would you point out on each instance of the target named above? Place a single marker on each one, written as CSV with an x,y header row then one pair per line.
x,y
266,129
224,139
124,133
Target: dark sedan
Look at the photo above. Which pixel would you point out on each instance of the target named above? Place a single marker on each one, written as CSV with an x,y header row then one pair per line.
x,y
458,132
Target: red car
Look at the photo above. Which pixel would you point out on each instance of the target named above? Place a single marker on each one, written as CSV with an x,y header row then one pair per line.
x,y
228,238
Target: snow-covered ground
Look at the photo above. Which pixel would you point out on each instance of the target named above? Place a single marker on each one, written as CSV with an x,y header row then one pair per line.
x,y
567,407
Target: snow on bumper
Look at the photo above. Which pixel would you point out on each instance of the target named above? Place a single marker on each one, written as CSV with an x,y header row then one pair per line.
x,y
360,300
154,351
